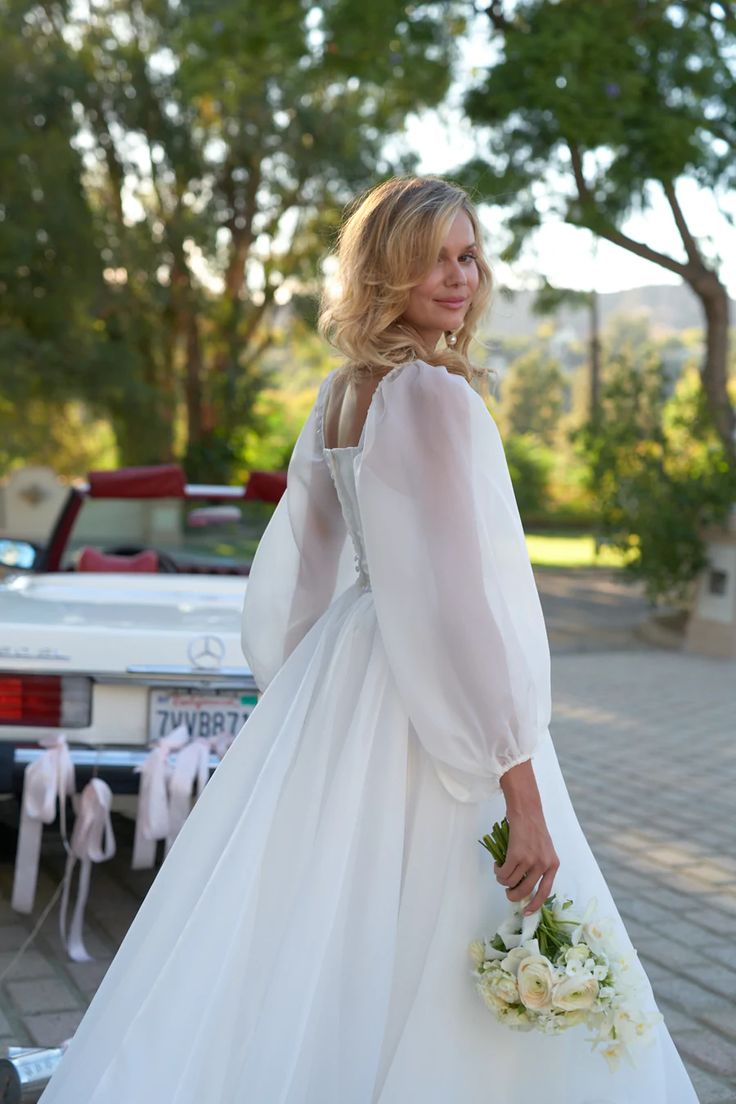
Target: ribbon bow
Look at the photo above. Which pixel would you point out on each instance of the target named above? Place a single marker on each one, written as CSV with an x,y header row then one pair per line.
x,y
48,780
152,817
165,795
92,841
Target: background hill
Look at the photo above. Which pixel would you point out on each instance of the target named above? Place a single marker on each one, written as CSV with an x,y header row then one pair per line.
x,y
670,309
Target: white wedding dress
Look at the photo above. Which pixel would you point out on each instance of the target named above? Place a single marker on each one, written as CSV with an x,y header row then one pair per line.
x,y
306,940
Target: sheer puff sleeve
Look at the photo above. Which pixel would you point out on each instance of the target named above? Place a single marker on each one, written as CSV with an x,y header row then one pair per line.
x,y
303,561
455,596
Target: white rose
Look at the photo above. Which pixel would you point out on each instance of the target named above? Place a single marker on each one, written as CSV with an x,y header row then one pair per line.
x,y
487,990
504,986
536,982
573,993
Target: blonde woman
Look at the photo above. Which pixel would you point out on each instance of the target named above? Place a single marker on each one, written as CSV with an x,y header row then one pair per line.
x,y
306,939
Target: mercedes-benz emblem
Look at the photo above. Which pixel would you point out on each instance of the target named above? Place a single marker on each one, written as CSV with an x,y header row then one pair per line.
x,y
206,651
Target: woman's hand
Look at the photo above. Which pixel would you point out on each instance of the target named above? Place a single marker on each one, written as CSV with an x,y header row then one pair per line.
x,y
531,855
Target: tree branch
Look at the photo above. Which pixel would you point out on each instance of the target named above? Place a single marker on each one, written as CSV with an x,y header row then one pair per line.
x,y
611,233
691,246
495,13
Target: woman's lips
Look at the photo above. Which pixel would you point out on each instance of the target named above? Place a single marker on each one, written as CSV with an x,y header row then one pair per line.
x,y
452,303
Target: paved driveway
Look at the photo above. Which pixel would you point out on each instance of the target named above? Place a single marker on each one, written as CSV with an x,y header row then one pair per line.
x,y
647,743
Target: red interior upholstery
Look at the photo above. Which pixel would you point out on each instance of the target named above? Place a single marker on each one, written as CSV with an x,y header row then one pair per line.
x,y
92,560
161,481
265,486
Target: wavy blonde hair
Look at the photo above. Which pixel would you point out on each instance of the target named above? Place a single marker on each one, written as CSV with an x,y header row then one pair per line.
x,y
388,243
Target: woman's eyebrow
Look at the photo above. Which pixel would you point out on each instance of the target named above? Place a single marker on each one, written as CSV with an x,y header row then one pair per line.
x,y
464,249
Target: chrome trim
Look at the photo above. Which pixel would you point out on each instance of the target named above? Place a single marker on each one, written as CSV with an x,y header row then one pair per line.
x,y
213,489
205,490
224,678
182,670
110,758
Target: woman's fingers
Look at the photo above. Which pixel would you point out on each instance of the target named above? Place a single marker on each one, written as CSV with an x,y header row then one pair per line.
x,y
545,888
526,884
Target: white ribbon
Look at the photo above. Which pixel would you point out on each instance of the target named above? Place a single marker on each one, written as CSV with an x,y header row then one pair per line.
x,y
152,816
93,841
192,763
166,791
48,780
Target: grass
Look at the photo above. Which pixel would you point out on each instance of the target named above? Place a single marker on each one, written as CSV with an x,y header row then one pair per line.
x,y
571,550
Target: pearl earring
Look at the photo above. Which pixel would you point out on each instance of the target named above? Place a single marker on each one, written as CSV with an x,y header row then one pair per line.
x,y
451,339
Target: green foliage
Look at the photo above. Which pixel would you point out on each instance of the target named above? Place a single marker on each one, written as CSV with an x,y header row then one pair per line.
x,y
530,464
187,167
630,85
533,396
659,471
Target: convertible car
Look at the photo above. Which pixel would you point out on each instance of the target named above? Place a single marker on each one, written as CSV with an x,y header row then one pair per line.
x,y
125,626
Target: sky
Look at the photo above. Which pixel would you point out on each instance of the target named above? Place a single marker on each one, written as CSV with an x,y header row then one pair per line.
x,y
567,255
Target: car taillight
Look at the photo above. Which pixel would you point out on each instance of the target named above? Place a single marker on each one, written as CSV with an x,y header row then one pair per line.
x,y
45,701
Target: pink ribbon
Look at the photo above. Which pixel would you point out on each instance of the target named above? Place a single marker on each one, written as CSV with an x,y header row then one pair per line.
x,y
48,780
93,841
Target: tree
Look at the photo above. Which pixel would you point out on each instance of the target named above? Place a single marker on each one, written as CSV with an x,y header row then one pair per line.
x,y
221,147
548,300
658,470
533,396
48,260
595,111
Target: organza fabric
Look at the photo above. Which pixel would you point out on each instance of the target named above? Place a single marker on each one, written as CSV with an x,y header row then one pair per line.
x,y
305,941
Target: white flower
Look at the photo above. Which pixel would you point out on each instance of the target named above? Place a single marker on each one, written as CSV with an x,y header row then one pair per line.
x,y
573,993
504,985
476,951
516,954
578,932
598,934
516,1017
510,932
536,981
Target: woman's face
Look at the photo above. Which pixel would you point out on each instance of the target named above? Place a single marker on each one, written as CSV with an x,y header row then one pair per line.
x,y
443,298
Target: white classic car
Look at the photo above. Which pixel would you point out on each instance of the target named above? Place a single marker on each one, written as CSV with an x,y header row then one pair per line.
x,y
126,625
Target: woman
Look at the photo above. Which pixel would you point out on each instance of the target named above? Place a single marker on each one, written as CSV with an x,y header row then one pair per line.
x,y
305,941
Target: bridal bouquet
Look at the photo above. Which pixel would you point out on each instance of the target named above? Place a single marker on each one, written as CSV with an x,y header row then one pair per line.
x,y
551,970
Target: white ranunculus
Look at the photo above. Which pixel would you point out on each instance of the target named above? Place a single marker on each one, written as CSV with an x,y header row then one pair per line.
x,y
573,993
514,957
536,980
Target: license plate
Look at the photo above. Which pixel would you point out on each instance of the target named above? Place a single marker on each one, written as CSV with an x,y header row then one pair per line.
x,y
205,713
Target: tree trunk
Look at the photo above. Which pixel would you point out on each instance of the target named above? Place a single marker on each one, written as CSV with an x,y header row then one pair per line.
x,y
714,369
193,380
595,357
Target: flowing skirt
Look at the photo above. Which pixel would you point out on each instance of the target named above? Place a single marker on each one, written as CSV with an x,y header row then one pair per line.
x,y
306,939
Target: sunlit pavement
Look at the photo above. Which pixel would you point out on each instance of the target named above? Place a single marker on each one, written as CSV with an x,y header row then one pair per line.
x,y
647,743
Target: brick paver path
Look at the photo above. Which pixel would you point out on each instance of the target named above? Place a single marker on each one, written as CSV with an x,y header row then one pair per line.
x,y
647,743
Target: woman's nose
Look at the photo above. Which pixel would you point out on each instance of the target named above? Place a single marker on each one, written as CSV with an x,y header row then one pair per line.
x,y
455,273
